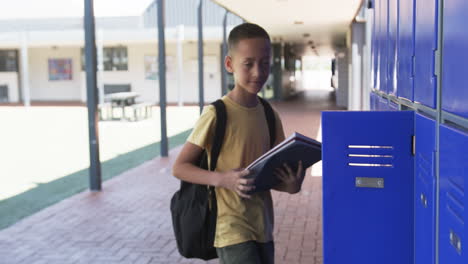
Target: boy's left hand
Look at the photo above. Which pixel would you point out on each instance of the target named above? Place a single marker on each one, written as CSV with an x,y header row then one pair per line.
x,y
291,179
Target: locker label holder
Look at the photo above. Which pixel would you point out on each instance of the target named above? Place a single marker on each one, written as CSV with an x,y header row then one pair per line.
x,y
366,182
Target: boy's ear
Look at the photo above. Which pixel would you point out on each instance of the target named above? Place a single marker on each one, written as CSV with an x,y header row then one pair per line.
x,y
228,64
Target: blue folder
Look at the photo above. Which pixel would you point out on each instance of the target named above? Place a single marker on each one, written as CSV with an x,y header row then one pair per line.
x,y
293,149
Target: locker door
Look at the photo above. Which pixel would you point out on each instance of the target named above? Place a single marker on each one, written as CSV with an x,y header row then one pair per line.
x,y
453,179
377,44
454,79
424,194
392,46
383,49
368,187
405,49
374,48
425,82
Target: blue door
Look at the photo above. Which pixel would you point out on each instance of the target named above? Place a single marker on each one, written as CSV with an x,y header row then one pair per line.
x,y
424,194
454,79
392,47
453,180
425,82
406,49
383,49
374,50
368,187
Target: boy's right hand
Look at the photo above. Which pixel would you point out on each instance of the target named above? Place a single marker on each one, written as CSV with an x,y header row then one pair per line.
x,y
237,182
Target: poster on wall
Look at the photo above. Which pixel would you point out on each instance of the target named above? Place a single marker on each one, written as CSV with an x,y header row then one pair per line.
x,y
151,67
60,69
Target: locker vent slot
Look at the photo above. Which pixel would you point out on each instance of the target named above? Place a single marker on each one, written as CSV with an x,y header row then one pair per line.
x,y
424,169
369,147
455,195
369,165
370,156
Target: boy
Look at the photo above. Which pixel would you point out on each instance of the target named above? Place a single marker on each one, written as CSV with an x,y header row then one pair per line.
x,y
244,227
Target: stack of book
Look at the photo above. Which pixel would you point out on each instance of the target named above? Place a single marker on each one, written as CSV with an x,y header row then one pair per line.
x,y
293,149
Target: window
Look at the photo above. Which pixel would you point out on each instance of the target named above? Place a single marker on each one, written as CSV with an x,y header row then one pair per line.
x,y
115,59
8,61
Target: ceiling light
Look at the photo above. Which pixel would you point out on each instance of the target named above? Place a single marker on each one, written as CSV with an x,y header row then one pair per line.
x,y
306,35
297,22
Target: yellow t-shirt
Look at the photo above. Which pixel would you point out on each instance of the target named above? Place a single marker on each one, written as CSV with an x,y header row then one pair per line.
x,y
246,138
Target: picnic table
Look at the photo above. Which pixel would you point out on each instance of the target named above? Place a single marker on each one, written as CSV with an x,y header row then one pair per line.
x,y
122,100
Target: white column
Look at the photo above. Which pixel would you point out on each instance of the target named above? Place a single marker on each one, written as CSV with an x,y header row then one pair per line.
x,y
25,88
354,98
356,88
100,65
367,62
180,64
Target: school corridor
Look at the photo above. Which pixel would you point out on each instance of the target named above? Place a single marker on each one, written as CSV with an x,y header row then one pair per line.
x,y
129,221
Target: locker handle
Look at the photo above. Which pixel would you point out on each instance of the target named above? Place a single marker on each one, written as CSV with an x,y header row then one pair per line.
x,y
423,200
455,241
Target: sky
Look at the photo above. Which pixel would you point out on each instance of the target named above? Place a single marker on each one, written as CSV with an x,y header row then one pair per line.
x,y
22,9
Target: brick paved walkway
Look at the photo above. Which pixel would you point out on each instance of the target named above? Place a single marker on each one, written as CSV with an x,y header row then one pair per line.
x,y
129,221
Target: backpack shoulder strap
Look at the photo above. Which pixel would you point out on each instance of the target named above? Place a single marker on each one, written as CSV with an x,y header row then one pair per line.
x,y
270,117
220,130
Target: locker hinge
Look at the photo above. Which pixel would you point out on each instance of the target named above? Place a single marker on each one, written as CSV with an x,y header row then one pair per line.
x,y
413,145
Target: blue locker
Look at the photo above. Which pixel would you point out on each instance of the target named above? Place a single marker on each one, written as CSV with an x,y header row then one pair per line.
x,y
383,49
453,179
392,47
405,49
368,187
377,49
454,78
425,83
424,192
374,50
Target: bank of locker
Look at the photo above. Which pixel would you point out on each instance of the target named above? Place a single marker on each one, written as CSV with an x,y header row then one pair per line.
x,y
425,190
425,82
383,49
405,49
368,187
392,47
455,78
453,180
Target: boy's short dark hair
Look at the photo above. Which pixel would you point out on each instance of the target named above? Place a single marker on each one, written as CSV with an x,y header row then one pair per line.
x,y
245,31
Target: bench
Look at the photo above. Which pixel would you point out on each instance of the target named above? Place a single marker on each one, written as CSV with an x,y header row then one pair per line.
x,y
141,111
105,111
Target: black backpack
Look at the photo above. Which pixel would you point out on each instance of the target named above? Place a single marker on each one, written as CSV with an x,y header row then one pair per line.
x,y
193,207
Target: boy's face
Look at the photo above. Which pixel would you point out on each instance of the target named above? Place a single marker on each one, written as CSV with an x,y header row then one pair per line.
x,y
249,62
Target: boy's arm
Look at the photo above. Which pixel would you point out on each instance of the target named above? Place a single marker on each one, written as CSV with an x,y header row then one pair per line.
x,y
185,169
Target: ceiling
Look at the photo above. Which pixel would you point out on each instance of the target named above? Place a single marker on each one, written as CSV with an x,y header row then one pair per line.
x,y
319,23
